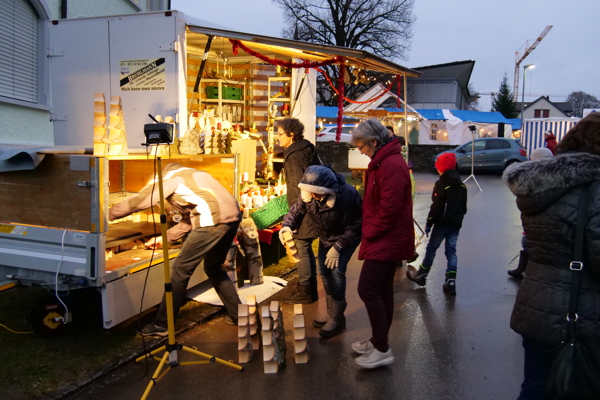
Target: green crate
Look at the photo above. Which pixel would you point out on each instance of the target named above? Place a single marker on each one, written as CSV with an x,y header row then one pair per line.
x,y
272,213
229,93
232,93
212,92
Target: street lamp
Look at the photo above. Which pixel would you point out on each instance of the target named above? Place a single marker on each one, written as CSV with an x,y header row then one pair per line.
x,y
525,68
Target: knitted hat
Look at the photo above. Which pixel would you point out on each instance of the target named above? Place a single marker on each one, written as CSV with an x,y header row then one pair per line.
x,y
445,162
540,152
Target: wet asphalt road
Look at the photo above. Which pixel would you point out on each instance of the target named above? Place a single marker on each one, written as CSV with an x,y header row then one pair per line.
x,y
445,347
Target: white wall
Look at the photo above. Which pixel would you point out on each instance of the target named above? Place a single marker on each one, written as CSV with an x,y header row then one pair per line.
x,y
306,108
32,126
95,8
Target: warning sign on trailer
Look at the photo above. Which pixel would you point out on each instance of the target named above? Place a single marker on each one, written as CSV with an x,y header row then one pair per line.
x,y
143,74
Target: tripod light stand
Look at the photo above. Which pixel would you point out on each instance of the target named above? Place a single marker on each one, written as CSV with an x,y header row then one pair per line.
x,y
473,128
170,356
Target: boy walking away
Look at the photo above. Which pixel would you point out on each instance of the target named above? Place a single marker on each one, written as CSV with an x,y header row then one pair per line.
x,y
445,216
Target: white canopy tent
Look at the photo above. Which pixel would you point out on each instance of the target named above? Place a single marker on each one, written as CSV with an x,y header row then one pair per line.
x,y
454,130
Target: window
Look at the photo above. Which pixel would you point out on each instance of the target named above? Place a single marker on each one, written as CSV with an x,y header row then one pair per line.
x,y
541,113
494,144
479,145
22,65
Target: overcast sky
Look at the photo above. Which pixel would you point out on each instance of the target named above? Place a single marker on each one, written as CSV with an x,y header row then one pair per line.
x,y
486,31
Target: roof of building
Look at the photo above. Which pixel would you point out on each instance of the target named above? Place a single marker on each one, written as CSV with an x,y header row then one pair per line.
x,y
564,107
458,70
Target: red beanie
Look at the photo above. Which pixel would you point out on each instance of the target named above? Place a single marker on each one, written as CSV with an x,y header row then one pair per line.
x,y
445,162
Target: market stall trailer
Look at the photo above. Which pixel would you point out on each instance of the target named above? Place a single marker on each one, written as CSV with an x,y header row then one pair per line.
x,y
54,228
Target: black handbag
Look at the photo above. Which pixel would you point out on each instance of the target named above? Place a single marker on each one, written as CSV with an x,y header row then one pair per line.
x,y
575,372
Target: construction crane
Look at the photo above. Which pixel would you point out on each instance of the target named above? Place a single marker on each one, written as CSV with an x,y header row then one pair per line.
x,y
519,58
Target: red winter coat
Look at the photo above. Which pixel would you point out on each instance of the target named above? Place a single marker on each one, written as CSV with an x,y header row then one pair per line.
x,y
551,143
388,230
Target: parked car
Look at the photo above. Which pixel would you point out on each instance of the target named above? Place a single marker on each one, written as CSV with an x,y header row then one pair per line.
x,y
327,134
490,154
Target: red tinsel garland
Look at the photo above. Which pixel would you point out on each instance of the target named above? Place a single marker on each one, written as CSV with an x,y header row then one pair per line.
x,y
353,101
237,44
398,99
273,61
340,115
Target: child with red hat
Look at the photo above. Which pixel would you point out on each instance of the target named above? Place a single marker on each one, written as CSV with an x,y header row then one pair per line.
x,y
448,208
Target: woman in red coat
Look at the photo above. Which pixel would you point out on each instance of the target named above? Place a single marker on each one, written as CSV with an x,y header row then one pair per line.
x,y
550,140
387,235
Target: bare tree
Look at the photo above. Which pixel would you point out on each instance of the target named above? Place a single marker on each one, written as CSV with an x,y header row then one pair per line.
x,y
383,27
474,105
581,100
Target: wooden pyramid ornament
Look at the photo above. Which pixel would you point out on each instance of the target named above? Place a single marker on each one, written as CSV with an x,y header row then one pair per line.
x,y
301,355
117,138
99,124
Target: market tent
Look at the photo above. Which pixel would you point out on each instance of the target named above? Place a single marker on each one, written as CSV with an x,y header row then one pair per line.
x,y
329,115
427,113
453,128
533,136
516,123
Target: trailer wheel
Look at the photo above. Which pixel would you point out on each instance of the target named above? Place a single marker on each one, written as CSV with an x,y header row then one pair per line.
x,y
47,318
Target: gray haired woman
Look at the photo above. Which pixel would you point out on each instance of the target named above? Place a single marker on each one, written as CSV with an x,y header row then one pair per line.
x,y
387,235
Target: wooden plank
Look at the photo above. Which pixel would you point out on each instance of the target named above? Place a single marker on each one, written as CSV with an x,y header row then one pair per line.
x,y
47,195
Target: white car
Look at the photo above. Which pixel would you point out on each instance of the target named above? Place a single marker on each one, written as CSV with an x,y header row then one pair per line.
x,y
327,134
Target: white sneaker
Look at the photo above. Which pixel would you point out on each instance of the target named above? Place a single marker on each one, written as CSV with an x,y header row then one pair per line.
x,y
361,347
374,358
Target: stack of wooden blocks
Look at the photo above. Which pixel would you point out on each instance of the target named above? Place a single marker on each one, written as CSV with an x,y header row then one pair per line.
x,y
301,355
273,335
290,247
244,344
248,330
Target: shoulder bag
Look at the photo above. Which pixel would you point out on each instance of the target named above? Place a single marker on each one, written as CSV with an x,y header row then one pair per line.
x,y
575,372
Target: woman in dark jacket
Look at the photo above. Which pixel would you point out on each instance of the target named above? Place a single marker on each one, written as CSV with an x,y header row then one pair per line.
x,y
387,235
335,206
548,193
299,154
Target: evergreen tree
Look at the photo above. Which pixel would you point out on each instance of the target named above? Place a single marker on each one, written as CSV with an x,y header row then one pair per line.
x,y
503,101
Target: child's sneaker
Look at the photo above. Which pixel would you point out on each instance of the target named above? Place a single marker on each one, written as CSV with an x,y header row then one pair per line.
x,y
418,277
450,286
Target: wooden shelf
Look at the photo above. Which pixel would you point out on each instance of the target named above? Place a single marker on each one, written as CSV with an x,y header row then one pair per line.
x,y
217,101
220,104
280,78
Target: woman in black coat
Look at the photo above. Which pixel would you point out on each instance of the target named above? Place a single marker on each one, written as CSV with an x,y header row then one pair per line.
x,y
299,154
548,193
